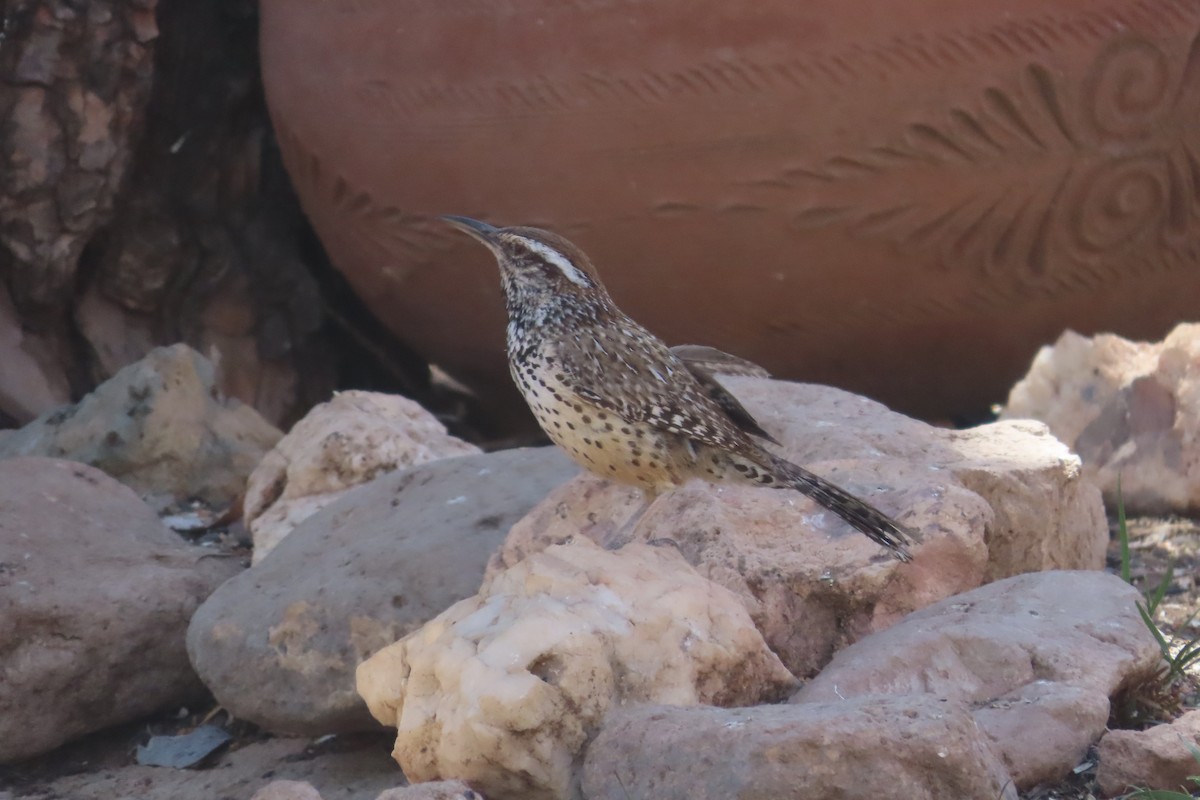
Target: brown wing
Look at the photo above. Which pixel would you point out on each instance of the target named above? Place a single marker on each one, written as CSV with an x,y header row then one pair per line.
x,y
623,368
705,363
712,360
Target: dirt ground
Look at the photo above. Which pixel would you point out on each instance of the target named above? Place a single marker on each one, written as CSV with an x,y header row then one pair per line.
x,y
357,767
103,767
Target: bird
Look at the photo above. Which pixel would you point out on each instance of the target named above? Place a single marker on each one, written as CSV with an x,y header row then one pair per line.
x,y
623,404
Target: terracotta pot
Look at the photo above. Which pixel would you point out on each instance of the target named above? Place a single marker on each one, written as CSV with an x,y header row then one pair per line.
x,y
905,203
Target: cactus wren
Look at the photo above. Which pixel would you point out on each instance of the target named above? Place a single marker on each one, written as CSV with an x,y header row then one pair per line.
x,y
623,404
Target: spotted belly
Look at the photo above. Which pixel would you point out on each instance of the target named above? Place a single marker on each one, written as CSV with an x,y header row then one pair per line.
x,y
602,442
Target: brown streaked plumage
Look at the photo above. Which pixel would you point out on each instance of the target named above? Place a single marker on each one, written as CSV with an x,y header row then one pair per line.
x,y
623,404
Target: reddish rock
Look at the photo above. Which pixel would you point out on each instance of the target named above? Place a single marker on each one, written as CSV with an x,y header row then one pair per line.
x,y
916,747
1162,757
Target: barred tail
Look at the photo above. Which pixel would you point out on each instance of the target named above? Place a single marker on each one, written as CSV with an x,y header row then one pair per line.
x,y
864,517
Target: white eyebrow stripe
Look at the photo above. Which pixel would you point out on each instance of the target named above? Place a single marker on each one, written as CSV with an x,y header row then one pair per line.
x,y
569,270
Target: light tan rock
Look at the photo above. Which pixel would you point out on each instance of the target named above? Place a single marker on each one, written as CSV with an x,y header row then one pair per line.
x,y
1161,757
435,790
1070,380
160,427
990,502
287,790
278,645
1046,514
916,747
340,444
504,689
1037,656
95,596
1131,410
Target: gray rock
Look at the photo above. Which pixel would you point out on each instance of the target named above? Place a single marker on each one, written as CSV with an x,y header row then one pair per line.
x,y
1037,656
160,427
95,595
279,644
916,747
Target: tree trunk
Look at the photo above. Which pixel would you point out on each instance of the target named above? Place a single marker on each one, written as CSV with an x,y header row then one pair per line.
x,y
142,202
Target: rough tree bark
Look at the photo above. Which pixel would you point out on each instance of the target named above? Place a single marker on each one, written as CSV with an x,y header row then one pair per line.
x,y
142,202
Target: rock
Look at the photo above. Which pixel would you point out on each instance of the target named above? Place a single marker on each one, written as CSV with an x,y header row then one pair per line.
x,y
917,747
184,750
340,444
1042,729
1130,409
504,689
95,595
278,645
436,790
1036,656
1047,515
990,502
287,790
159,427
1161,757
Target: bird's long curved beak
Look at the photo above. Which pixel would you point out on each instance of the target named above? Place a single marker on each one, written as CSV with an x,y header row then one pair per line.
x,y
477,229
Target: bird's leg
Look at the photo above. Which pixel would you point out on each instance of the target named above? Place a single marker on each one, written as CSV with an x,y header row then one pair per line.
x,y
650,498
625,534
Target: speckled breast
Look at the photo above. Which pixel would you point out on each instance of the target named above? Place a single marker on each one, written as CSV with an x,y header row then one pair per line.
x,y
598,440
